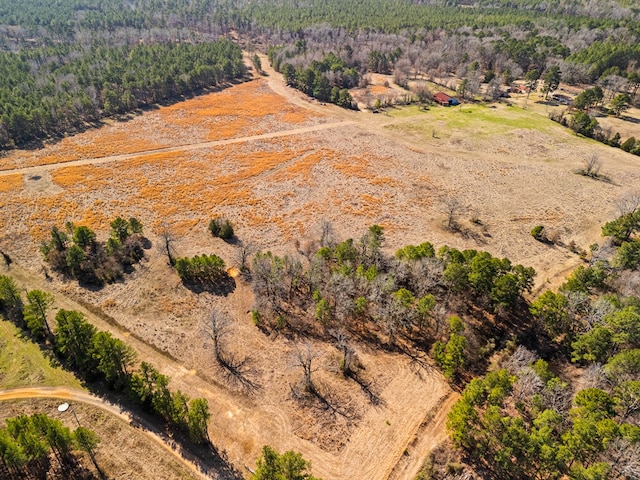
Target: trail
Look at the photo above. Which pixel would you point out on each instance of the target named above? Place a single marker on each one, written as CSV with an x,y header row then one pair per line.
x,y
79,396
178,148
248,421
374,448
430,434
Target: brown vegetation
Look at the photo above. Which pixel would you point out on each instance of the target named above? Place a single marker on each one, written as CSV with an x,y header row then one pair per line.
x,y
382,170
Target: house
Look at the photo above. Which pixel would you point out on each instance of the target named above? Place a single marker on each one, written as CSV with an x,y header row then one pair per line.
x,y
520,89
444,99
562,99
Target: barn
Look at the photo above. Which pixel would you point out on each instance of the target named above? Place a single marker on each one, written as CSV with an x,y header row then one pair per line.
x,y
444,99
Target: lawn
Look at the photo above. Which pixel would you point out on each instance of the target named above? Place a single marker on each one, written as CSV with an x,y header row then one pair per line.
x,y
474,119
22,363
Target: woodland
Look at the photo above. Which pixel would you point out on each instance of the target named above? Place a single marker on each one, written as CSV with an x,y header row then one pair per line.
x,y
68,65
549,381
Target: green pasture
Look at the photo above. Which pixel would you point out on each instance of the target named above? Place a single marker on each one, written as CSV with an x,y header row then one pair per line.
x,y
475,120
22,363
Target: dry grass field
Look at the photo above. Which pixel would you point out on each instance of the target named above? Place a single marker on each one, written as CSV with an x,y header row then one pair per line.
x,y
275,165
136,458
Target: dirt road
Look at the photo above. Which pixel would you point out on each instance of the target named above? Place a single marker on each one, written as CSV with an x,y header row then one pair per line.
x,y
79,396
177,148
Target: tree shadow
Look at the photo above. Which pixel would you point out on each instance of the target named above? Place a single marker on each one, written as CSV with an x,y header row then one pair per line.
x,y
239,372
315,395
222,286
374,397
627,118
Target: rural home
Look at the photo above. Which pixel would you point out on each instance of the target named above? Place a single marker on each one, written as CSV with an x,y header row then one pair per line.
x,y
520,89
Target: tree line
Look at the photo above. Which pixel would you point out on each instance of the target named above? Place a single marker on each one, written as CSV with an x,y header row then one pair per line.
x,y
49,91
71,65
37,446
99,356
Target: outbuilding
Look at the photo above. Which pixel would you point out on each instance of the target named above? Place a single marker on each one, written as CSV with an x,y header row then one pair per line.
x,y
445,100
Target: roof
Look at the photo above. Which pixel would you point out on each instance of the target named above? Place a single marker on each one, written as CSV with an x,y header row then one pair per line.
x,y
441,97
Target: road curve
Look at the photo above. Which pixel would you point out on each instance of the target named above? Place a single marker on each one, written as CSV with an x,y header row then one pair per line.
x,y
80,396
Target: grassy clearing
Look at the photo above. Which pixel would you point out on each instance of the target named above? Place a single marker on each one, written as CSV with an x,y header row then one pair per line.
x,y
22,363
474,120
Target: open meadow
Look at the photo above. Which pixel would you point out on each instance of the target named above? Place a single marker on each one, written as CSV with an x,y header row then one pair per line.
x,y
276,165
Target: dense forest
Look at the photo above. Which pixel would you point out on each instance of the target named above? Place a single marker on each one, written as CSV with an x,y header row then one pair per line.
x,y
524,420
66,65
62,88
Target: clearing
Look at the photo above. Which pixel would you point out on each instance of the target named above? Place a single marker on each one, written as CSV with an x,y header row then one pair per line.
x,y
276,164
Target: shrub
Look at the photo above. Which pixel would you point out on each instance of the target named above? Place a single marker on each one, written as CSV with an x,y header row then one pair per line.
x,y
628,144
201,268
221,228
538,233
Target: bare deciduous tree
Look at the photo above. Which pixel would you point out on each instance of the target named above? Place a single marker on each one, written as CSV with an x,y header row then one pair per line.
x,y
244,252
216,327
628,203
167,243
520,360
326,234
592,166
453,208
527,385
303,358
349,361
624,457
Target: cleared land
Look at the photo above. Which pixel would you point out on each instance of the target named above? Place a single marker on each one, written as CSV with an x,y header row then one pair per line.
x,y
123,448
136,456
509,168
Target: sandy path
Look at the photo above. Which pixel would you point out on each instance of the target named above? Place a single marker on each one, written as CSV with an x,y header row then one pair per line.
x,y
373,449
178,148
430,434
79,396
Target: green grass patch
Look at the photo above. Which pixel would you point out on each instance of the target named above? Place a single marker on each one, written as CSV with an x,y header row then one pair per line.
x,y
22,363
406,111
474,120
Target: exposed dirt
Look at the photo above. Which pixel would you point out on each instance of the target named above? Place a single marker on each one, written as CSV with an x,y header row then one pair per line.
x,y
121,443
275,172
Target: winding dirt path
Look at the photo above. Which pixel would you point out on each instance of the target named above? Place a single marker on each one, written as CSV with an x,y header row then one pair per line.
x,y
372,451
79,396
178,148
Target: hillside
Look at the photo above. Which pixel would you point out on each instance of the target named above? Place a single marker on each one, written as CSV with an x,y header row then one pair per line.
x,y
405,290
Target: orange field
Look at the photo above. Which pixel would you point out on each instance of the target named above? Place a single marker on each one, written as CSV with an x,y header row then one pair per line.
x,y
250,108
277,189
10,183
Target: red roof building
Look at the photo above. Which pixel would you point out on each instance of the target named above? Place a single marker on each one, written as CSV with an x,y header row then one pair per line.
x,y
442,98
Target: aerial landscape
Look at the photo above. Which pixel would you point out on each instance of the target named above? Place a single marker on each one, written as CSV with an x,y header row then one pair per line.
x,y
293,239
